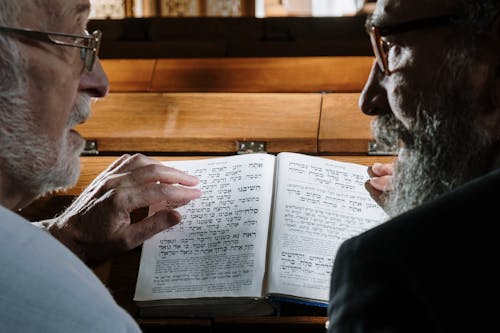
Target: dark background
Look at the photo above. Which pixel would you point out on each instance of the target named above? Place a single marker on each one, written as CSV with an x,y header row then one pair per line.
x,y
196,37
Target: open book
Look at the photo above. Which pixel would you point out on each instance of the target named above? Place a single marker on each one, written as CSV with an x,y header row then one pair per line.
x,y
266,227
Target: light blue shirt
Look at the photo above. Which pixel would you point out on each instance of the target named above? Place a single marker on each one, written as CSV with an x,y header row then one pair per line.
x,y
44,287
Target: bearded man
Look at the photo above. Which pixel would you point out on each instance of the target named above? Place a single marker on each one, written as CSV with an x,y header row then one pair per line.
x,y
435,90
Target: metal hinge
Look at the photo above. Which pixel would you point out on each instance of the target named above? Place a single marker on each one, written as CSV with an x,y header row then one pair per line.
x,y
90,148
248,147
375,148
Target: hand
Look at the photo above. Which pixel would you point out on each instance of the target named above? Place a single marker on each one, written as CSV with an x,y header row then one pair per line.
x,y
98,223
380,181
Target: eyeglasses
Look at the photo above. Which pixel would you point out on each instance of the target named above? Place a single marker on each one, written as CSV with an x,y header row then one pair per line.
x,y
89,44
381,47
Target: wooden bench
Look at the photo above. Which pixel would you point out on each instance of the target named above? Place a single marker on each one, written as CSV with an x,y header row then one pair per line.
x,y
195,108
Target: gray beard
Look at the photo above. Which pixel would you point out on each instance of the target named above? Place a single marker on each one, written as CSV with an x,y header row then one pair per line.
x,y
444,147
31,159
28,157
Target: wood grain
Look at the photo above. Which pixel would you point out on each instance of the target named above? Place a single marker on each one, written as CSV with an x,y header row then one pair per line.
x,y
262,74
343,127
203,122
256,74
129,74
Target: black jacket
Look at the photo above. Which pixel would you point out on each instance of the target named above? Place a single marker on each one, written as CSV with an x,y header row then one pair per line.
x,y
432,269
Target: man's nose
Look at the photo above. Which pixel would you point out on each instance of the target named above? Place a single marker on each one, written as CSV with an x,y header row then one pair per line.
x,y
95,83
373,98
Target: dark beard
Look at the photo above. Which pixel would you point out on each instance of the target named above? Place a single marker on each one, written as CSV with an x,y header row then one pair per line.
x,y
444,147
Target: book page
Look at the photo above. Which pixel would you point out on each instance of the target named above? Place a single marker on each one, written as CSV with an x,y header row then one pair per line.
x,y
319,203
219,248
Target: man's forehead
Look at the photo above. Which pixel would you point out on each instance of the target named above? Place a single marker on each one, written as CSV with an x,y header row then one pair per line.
x,y
394,11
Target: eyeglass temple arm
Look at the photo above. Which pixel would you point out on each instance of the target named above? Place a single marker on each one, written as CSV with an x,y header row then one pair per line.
x,y
51,38
92,45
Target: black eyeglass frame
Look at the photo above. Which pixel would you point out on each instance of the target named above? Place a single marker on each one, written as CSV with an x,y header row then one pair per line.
x,y
88,44
381,47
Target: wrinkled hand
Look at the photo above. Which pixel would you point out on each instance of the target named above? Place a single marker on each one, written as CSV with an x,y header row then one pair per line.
x,y
380,181
98,225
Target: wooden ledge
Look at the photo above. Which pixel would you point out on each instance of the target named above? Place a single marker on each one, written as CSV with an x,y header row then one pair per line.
x,y
203,122
343,127
256,74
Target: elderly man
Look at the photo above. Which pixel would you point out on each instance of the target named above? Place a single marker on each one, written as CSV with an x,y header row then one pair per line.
x,y
435,89
49,73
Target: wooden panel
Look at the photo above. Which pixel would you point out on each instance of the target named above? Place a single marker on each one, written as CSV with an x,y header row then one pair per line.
x,y
129,74
203,122
343,127
248,8
265,74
